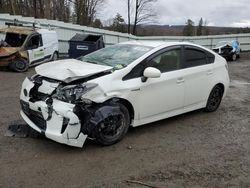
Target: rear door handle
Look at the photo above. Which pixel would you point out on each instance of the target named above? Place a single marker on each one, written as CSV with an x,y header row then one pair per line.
x,y
180,80
209,72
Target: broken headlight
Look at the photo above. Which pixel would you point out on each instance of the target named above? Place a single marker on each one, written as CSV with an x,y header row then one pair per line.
x,y
73,93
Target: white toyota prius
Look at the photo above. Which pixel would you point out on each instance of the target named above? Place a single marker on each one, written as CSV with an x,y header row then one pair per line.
x,y
134,83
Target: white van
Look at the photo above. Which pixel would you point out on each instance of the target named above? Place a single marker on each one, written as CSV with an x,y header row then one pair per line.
x,y
42,46
27,46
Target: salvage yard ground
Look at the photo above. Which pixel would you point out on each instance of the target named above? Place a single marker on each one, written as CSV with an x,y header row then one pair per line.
x,y
196,149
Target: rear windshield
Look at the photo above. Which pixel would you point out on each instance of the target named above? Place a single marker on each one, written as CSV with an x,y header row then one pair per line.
x,y
14,39
117,56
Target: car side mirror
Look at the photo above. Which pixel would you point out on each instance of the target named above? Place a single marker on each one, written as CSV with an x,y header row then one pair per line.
x,y
151,72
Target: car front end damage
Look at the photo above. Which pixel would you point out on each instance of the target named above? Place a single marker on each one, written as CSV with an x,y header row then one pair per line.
x,y
228,50
225,51
49,116
56,109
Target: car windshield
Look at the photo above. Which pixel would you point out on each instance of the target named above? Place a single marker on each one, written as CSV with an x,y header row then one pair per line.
x,y
223,43
117,56
14,39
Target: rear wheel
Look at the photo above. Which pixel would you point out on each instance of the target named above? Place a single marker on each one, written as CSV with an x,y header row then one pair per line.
x,y
214,99
113,127
19,65
55,56
234,57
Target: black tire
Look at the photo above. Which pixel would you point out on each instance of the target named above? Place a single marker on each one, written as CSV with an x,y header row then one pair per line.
x,y
113,128
55,56
19,65
214,99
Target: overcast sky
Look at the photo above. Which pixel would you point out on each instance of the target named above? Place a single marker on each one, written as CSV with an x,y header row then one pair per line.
x,y
229,13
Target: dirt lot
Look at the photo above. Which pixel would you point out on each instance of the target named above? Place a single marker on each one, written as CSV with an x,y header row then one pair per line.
x,y
196,149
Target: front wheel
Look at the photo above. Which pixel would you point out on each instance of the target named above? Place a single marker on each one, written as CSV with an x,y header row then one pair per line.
x,y
113,125
214,99
19,65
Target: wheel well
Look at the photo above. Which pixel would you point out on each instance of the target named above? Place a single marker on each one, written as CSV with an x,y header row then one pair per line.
x,y
127,104
55,52
221,86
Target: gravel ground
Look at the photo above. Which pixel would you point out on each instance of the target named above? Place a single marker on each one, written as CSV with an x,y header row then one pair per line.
x,y
196,149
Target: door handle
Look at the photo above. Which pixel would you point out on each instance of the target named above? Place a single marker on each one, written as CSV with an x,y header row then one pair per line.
x,y
180,80
209,72
41,50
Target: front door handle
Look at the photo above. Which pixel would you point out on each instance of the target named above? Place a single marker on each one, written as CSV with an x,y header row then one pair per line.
x,y
180,80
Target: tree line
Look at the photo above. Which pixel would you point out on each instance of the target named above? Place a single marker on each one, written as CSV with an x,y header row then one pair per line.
x,y
140,14
191,30
83,12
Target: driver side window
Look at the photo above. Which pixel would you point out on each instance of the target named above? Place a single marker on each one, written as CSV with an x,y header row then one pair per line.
x,y
34,42
167,61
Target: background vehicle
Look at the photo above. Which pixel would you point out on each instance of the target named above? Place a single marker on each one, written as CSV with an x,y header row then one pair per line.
x,y
83,44
27,46
100,95
228,50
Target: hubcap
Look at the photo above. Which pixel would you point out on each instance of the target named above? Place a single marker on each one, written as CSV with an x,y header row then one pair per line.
x,y
20,65
215,99
234,57
112,126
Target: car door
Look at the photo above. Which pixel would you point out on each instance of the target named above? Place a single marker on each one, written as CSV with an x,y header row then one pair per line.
x,y
35,49
164,94
197,73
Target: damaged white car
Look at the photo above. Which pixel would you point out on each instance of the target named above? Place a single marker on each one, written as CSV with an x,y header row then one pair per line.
x,y
101,94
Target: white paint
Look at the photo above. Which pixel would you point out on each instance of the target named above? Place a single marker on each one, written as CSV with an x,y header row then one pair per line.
x,y
171,94
69,69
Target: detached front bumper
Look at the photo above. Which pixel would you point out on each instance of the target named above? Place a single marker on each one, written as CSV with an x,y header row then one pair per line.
x,y
57,122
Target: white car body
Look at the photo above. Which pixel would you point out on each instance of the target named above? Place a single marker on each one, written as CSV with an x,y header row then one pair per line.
x,y
48,46
173,93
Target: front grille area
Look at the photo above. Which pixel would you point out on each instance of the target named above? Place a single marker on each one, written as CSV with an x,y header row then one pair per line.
x,y
34,116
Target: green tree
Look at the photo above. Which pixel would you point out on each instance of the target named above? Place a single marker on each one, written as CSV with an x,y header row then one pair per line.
x,y
97,23
189,28
118,23
200,28
206,30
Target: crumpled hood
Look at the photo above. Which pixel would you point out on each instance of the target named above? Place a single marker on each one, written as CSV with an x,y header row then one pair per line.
x,y
7,51
70,69
222,46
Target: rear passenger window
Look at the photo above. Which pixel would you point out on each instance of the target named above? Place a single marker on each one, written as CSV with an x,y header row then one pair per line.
x,y
194,57
167,61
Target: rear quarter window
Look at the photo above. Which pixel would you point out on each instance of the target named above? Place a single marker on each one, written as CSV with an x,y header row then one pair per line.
x,y
210,57
196,57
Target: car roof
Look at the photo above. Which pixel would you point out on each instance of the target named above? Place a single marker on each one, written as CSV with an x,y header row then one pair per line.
x,y
156,44
25,30
43,31
17,30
